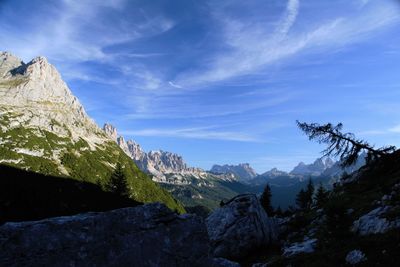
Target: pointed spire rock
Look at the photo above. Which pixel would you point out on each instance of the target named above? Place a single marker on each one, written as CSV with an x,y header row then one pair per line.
x,y
110,131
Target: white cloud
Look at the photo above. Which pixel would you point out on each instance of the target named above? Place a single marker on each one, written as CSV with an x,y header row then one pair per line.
x,y
174,85
251,45
78,31
149,106
395,129
194,133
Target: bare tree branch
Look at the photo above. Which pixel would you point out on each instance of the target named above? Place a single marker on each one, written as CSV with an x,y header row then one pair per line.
x,y
343,145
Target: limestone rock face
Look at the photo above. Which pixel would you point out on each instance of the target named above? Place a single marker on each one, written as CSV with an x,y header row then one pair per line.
x,y
110,131
36,96
136,151
239,227
163,166
7,63
148,235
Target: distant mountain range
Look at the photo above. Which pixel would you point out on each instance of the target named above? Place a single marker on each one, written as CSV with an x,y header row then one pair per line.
x,y
195,186
242,171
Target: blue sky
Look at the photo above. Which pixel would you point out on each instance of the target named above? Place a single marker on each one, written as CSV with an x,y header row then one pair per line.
x,y
221,81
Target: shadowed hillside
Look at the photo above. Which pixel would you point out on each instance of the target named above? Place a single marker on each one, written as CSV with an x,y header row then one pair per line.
x,y
26,195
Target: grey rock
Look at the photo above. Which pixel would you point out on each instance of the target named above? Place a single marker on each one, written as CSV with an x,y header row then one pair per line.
x,y
240,226
374,222
148,235
307,246
386,198
221,262
355,257
110,131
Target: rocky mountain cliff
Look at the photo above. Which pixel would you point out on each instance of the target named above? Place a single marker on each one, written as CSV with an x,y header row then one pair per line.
x,y
165,167
34,94
44,128
243,171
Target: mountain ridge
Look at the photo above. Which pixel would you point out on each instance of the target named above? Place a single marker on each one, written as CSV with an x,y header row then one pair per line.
x,y
243,171
45,129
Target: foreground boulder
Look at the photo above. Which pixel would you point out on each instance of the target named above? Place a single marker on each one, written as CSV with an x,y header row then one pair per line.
x,y
240,226
148,235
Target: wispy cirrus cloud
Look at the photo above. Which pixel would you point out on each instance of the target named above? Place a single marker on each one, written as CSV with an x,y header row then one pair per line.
x,y
252,45
395,129
205,133
73,32
193,106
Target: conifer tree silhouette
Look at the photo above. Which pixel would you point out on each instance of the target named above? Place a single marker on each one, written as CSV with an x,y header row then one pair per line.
x,y
344,145
118,182
266,200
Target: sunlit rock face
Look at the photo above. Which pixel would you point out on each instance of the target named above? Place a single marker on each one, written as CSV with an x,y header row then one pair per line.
x,y
35,94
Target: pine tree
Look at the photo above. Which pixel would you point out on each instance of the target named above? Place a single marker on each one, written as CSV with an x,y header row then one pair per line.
x,y
321,197
309,194
266,200
343,145
118,182
301,200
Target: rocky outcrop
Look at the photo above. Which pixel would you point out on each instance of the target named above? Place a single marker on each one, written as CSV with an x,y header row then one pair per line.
x,y
355,257
239,227
374,222
307,246
243,171
110,131
148,235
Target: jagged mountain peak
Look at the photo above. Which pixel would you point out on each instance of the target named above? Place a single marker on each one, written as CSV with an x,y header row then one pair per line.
x,y
314,169
8,62
37,95
158,163
243,170
110,130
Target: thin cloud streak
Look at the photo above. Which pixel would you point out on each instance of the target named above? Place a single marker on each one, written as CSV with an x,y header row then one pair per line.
x,y
194,133
254,47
